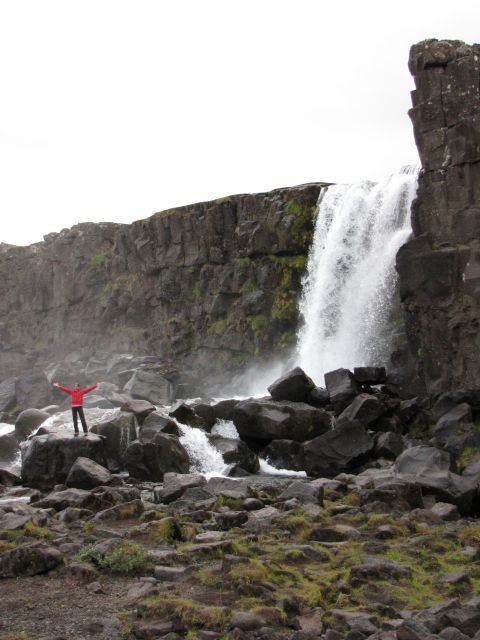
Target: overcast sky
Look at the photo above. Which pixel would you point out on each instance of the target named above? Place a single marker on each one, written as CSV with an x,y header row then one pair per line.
x,y
115,109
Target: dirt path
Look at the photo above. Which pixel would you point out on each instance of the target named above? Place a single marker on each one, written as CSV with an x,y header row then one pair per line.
x,y
57,607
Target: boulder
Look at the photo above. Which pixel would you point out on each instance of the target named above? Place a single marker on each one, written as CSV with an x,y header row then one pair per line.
x,y
151,460
304,492
294,386
341,450
365,408
409,409
140,408
285,454
318,397
47,459
28,420
430,469
342,387
370,375
29,560
270,420
149,385
374,568
186,415
454,430
87,474
117,432
393,495
228,487
94,500
175,484
388,445
235,451
157,422
449,400
223,409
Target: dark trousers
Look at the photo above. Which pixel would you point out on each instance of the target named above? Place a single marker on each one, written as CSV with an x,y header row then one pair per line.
x,y
78,411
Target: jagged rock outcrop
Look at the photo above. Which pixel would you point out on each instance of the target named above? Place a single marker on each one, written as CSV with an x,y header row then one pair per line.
x,y
440,267
210,284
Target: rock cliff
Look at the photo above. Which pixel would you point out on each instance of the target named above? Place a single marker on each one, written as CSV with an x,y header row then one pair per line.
x,y
211,285
440,267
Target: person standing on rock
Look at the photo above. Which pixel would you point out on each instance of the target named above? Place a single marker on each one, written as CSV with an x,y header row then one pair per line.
x,y
77,403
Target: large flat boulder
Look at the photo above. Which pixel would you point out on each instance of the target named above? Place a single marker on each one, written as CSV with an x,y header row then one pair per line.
x,y
337,451
269,420
151,460
430,468
47,459
118,431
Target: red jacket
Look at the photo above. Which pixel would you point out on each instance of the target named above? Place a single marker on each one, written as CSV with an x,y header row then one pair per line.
x,y
77,396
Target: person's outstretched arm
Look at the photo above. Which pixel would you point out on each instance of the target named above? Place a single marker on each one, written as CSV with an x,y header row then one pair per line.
x,y
59,386
88,389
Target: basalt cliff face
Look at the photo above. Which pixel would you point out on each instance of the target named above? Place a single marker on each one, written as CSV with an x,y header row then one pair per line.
x,y
211,286
440,267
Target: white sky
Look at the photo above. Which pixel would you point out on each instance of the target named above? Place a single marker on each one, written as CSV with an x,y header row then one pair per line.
x,y
115,109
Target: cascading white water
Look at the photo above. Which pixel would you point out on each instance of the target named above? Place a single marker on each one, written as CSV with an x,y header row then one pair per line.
x,y
351,278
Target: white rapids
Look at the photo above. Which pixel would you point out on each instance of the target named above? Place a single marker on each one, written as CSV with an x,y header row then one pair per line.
x,y
350,281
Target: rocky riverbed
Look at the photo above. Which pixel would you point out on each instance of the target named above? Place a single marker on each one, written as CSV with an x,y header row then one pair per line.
x,y
379,540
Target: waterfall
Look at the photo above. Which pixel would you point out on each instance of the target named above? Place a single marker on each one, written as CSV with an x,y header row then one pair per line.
x,y
351,280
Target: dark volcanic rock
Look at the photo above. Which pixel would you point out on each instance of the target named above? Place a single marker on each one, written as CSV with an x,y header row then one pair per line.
x,y
285,454
118,431
342,387
365,408
294,385
157,422
318,397
151,460
235,451
439,266
186,415
389,445
270,420
175,485
370,375
47,459
87,474
342,449
431,469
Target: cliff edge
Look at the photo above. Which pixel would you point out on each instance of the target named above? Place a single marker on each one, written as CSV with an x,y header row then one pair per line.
x,y
440,267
